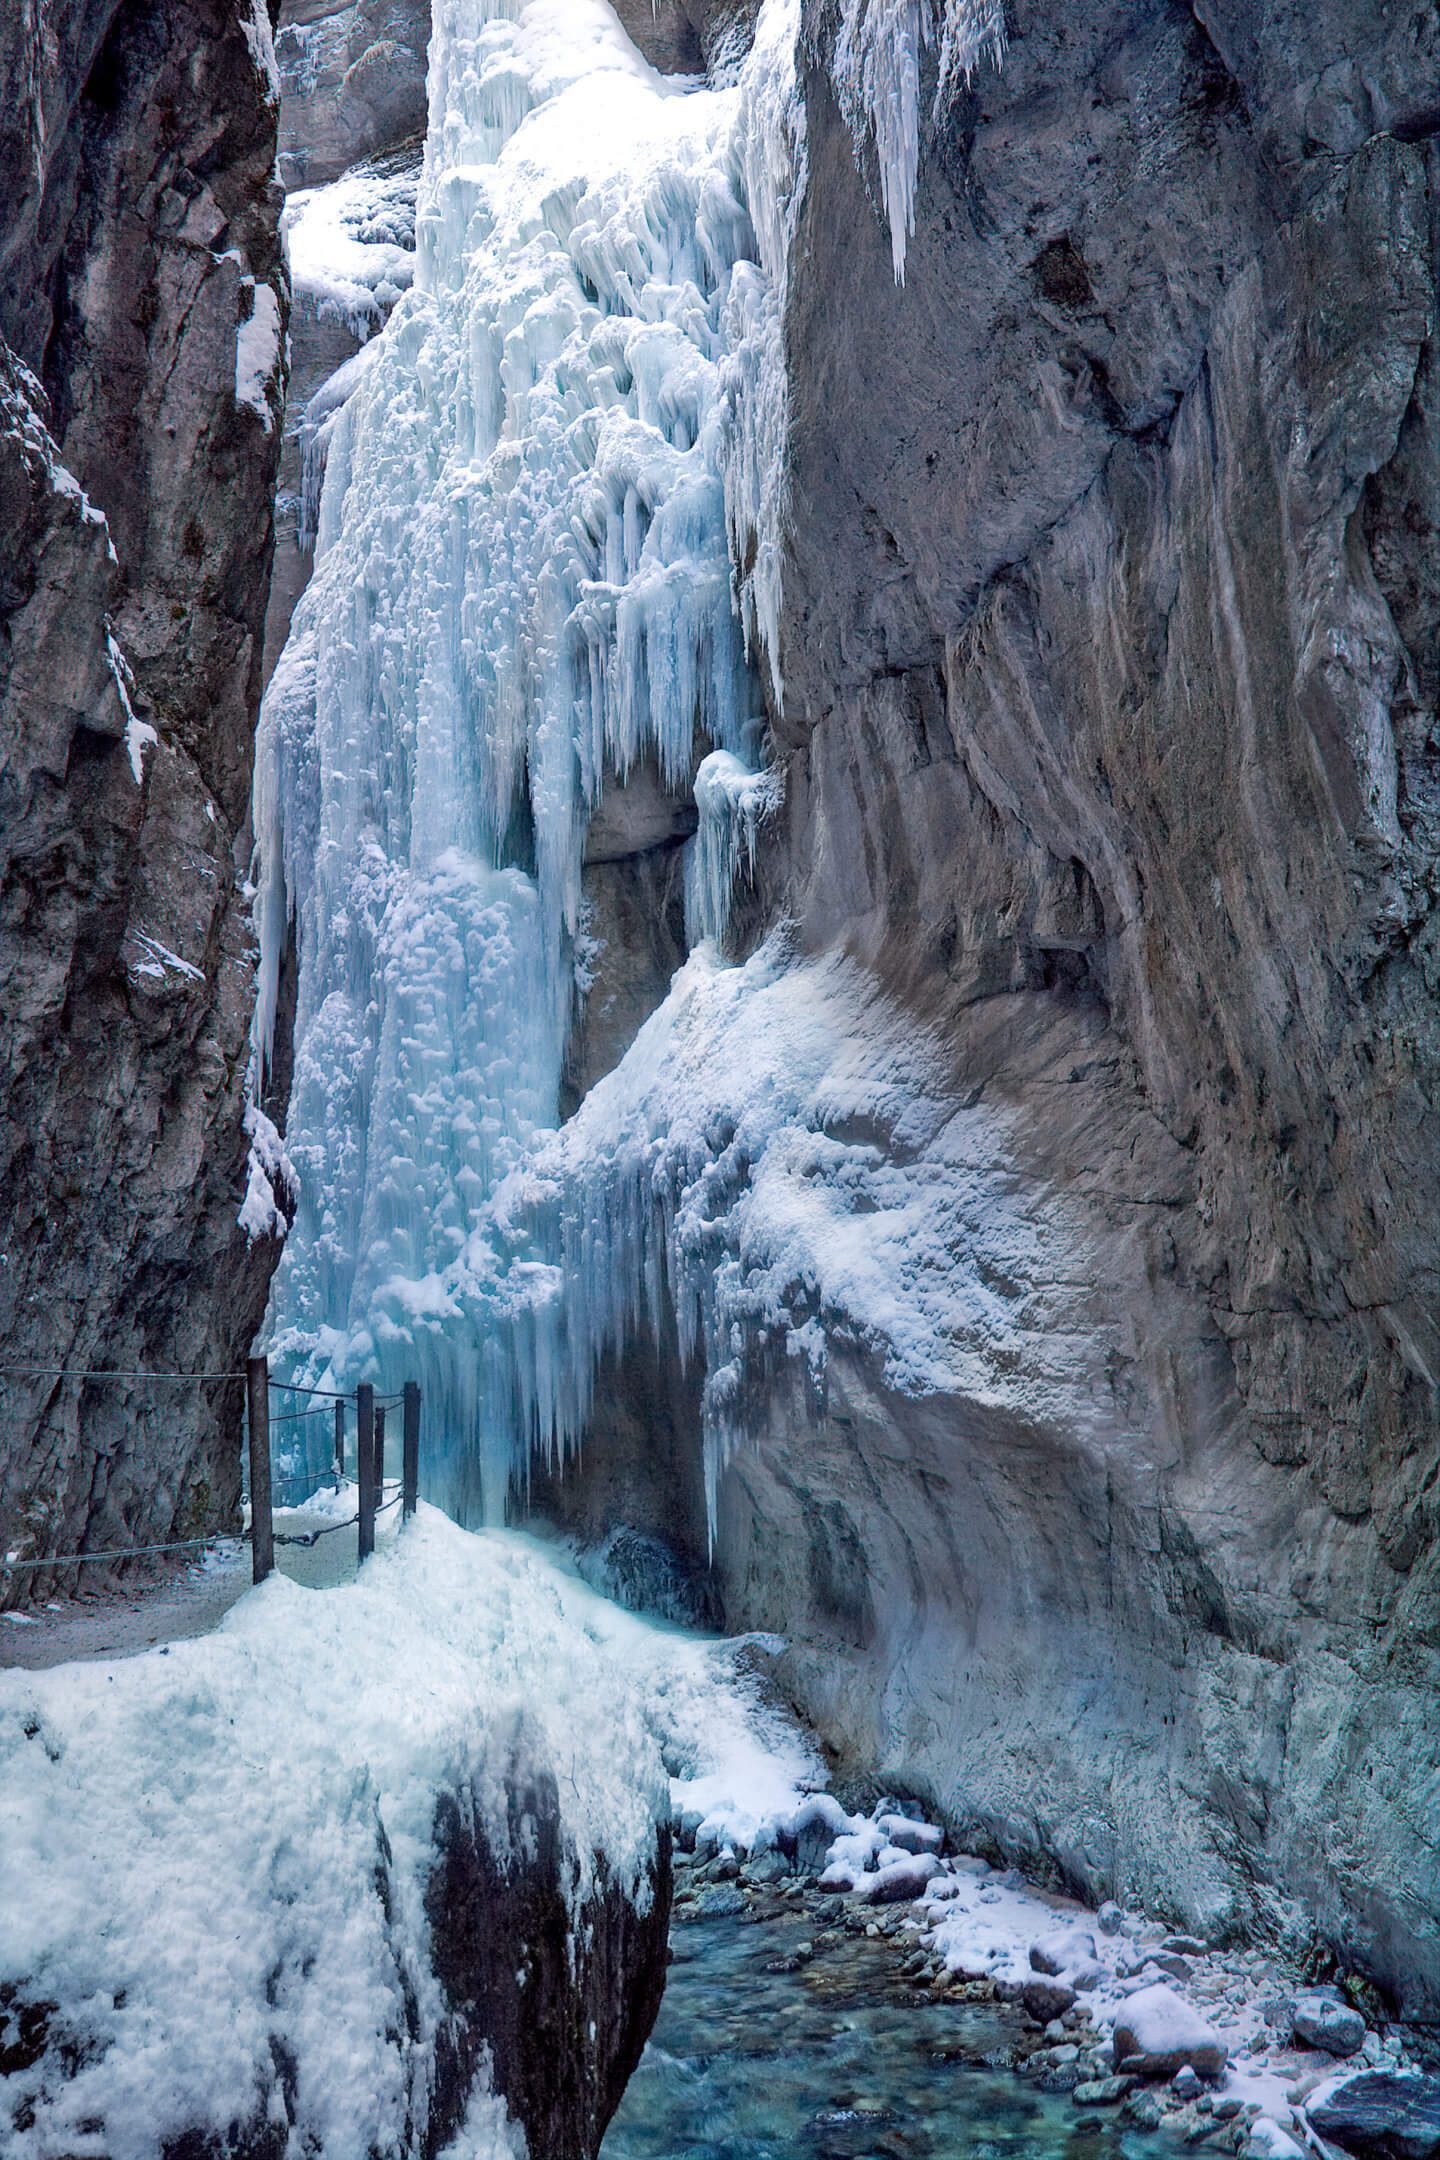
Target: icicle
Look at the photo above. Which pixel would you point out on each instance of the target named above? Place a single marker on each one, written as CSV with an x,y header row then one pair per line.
x,y
879,48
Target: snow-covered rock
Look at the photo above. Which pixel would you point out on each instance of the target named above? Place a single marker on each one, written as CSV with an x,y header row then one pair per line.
x,y
1323,2021
1157,2031
321,1867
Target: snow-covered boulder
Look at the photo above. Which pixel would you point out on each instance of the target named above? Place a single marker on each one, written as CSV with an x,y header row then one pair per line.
x,y
358,1867
1157,2031
1323,2021
897,1881
909,1835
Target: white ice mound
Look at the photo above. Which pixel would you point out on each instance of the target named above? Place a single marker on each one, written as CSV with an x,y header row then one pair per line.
x,y
221,1851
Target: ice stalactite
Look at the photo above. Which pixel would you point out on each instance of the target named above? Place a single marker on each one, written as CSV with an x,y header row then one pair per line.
x,y
879,54
522,587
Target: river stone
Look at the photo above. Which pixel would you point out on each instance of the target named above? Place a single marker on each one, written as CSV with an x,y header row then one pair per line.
x,y
721,1902
1381,2115
1045,1999
1157,2033
1323,2022
1104,2092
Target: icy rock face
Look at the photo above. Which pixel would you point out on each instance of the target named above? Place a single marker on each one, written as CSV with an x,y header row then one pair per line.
x,y
142,305
1106,627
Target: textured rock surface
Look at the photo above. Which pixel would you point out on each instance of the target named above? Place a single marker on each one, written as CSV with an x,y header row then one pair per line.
x,y
1110,662
563,2012
140,241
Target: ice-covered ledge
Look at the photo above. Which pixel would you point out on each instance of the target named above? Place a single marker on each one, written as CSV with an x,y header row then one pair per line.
x,y
377,1868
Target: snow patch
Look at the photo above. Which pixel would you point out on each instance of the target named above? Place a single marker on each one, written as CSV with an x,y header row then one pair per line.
x,y
271,1182
258,349
139,735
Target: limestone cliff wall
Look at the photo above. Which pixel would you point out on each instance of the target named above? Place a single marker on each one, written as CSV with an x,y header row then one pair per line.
x,y
1110,650
142,313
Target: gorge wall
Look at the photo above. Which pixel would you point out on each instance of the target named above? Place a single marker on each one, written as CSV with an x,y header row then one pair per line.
x,y
142,311
1110,658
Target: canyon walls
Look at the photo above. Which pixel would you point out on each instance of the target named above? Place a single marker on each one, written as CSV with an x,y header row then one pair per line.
x,y
1110,652
1110,649
142,310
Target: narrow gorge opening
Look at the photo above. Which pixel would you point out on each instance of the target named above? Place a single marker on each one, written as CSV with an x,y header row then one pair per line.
x,y
718,855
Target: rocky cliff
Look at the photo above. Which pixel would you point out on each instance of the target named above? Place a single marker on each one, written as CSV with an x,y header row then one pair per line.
x,y
142,312
1110,649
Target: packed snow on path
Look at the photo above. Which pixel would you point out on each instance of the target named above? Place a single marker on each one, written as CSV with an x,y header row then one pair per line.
x,y
193,1841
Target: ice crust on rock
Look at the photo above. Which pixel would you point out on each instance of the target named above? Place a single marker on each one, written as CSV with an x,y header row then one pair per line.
x,y
778,1154
351,243
522,586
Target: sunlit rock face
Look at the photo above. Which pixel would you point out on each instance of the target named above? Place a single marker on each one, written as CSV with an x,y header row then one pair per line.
x,y
142,310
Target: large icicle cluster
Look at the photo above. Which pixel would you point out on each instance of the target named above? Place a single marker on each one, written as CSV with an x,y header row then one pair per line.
x,y
523,585
880,47
779,1155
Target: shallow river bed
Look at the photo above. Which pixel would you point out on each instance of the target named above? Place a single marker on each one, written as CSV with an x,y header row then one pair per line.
x,y
765,2050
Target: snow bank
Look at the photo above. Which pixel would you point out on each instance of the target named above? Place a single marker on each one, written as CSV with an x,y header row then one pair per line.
x,y
215,1856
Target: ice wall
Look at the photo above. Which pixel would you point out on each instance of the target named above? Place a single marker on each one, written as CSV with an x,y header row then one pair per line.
x,y
522,585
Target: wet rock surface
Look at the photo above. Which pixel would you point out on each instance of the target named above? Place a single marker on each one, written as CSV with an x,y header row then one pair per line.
x,y
142,309
563,2008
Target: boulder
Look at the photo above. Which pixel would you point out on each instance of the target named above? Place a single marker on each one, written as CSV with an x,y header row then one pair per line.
x,y
1047,1998
910,1836
1381,2114
1157,2033
897,1882
1323,2021
1103,2092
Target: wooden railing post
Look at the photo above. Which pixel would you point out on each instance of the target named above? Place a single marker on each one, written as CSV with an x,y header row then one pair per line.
x,y
365,1465
339,1445
379,1456
410,1459
262,1525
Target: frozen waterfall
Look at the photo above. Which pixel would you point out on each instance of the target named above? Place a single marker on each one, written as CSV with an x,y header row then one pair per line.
x,y
522,586
549,547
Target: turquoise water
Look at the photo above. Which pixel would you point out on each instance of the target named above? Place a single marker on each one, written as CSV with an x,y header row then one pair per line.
x,y
841,2059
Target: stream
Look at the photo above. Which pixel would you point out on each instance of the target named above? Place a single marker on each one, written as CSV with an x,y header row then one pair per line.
x,y
782,2038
